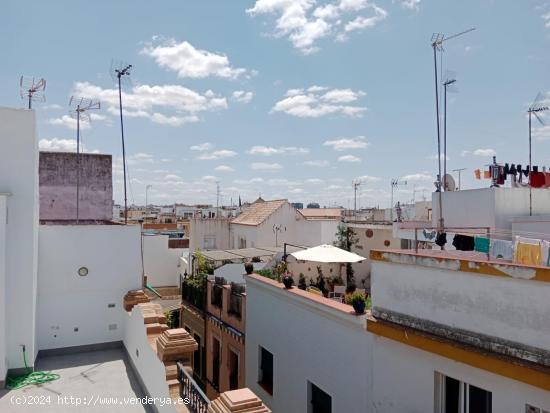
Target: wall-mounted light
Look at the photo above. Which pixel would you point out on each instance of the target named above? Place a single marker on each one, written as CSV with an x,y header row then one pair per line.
x,y
83,271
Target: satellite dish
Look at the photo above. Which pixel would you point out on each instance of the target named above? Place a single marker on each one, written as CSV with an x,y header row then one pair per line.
x,y
449,183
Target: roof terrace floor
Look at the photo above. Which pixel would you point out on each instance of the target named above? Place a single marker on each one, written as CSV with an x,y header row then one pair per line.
x,y
87,375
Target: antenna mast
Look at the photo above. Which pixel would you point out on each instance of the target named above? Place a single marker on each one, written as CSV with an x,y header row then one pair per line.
x,y
394,184
355,184
437,44
534,109
79,111
459,170
32,89
121,71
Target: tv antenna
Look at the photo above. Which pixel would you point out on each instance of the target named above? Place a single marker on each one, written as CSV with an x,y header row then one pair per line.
x,y
394,184
32,89
534,110
121,72
79,111
355,185
278,228
459,170
438,39
448,86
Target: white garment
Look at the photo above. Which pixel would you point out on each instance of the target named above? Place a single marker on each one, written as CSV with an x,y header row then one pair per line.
x,y
501,249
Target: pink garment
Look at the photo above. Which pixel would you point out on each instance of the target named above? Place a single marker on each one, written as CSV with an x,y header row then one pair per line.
x,y
547,179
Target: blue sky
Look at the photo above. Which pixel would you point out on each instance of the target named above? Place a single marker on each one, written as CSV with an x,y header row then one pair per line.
x,y
290,99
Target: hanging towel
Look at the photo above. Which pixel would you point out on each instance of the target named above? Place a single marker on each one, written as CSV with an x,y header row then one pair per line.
x,y
463,242
502,249
528,251
477,173
481,244
545,253
487,174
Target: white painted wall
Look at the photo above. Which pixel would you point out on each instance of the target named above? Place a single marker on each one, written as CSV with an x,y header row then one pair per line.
x,y
161,263
537,226
494,207
67,301
404,381
3,222
19,176
309,341
216,230
512,309
148,365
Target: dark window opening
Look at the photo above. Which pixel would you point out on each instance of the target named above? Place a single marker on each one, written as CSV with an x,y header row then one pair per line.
x,y
265,378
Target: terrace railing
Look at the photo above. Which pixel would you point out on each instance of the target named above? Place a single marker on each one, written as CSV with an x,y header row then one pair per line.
x,y
190,390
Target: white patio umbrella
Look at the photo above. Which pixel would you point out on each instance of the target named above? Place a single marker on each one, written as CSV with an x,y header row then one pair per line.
x,y
328,254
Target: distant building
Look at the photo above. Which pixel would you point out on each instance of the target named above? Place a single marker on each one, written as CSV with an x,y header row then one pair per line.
x,y
297,205
313,205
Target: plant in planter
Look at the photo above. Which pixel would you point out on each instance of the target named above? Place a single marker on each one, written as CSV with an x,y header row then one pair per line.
x,y
302,281
288,281
358,301
249,268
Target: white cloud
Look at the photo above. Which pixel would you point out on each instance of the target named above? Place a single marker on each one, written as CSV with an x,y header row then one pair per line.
x,y
62,145
411,4
241,96
321,163
304,22
264,166
269,150
542,133
368,178
224,168
172,177
210,179
313,104
349,158
139,157
546,18
202,147
342,144
480,152
144,101
417,177
189,61
221,154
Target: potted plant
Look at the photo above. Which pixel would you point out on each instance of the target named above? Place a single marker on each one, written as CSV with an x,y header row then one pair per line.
x,y
358,301
302,281
249,268
288,281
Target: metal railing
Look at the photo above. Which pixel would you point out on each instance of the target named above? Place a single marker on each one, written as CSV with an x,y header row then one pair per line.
x,y
191,392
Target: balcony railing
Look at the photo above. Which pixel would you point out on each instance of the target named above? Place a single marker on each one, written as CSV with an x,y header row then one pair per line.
x,y
216,298
236,300
194,295
189,389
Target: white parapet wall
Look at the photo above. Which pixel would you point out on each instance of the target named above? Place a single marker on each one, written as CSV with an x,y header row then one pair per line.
x,y
75,309
505,307
146,362
19,177
3,222
161,263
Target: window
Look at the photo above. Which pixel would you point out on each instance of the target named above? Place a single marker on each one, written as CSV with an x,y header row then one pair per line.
x,y
454,396
265,375
319,400
233,370
209,243
215,363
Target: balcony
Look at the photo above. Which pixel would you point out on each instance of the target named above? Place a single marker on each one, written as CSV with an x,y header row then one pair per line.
x,y
216,298
198,402
194,294
236,300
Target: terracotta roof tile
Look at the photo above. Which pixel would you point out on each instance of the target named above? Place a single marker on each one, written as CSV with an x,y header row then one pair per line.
x,y
258,212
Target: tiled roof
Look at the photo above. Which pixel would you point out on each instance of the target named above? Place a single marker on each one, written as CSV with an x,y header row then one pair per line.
x,y
321,213
258,212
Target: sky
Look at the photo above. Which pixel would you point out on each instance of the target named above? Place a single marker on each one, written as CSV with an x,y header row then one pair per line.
x,y
288,99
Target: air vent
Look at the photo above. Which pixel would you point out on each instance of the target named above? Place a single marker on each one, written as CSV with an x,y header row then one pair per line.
x,y
111,305
112,327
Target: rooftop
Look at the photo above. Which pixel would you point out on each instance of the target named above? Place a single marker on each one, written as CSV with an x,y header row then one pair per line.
x,y
103,374
258,212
